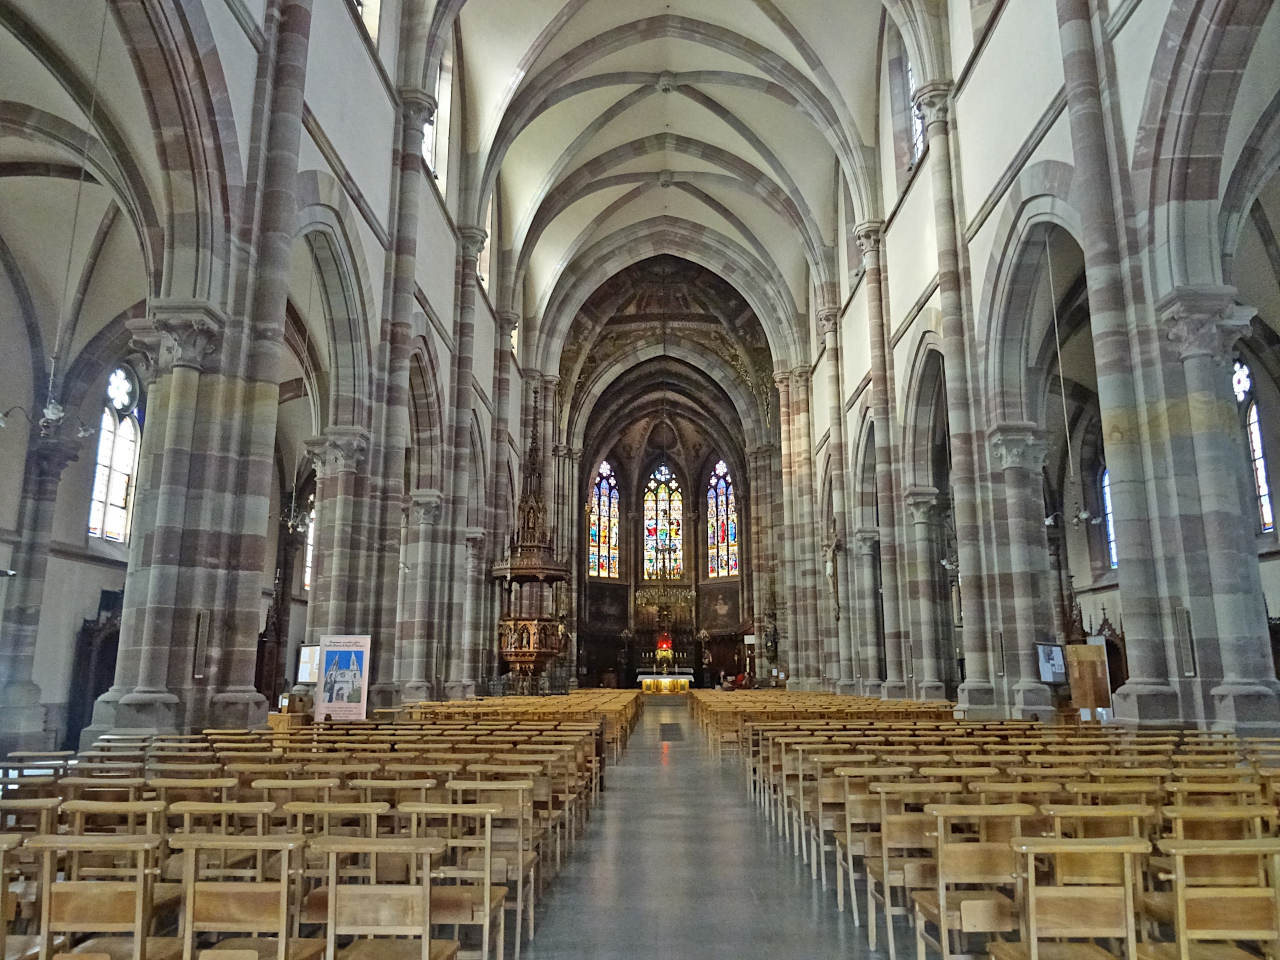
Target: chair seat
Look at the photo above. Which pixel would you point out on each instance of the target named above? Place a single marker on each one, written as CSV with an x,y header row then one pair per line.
x,y
1002,950
924,872
464,904
121,948
1158,905
1196,951
27,946
265,947
382,948
1004,916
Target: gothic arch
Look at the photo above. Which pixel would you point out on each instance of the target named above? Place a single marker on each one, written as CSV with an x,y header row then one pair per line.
x,y
924,387
1259,161
1177,158
425,422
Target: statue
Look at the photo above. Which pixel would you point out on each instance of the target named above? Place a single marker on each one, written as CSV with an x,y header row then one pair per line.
x,y
829,568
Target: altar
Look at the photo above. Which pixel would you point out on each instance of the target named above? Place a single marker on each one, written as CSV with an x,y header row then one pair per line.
x,y
677,682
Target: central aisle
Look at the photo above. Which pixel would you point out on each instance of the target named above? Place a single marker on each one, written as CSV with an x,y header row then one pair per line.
x,y
677,863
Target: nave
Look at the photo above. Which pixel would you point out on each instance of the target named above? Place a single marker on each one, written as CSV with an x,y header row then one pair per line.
x,y
677,863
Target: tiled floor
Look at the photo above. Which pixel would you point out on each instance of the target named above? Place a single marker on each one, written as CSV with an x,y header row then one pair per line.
x,y
677,864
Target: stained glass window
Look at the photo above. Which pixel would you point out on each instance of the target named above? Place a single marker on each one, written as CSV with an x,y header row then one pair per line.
x,y
722,524
602,524
111,502
1242,387
663,541
1109,516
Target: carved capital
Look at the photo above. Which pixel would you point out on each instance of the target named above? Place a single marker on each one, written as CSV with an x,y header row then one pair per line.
x,y
865,540
50,456
426,506
315,447
1205,321
508,323
345,447
869,235
782,379
144,349
933,101
921,502
472,240
1017,446
417,107
828,321
191,331
800,378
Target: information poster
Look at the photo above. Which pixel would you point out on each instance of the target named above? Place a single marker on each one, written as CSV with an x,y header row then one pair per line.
x,y
343,690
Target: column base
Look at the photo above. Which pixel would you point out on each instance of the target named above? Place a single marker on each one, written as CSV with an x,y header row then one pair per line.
x,y
977,694
153,711
104,717
847,688
459,689
22,719
893,690
870,687
413,690
1146,704
245,708
931,690
1032,700
383,695
1251,708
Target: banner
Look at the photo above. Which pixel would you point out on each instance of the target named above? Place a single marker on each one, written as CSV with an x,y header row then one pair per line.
x,y
343,689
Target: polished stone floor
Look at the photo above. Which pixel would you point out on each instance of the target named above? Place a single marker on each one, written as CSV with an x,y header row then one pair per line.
x,y
677,864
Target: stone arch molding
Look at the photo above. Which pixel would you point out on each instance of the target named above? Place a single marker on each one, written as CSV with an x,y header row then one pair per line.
x,y
926,368
326,224
767,294
1040,198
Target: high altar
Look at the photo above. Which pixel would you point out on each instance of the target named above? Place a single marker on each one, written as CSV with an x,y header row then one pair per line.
x,y
667,677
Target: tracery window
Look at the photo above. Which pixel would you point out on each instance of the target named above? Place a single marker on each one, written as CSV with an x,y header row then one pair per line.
x,y
1109,519
663,541
722,524
917,118
602,524
309,556
1242,387
119,433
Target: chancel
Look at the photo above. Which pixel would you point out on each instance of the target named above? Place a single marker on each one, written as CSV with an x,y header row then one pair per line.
x,y
664,478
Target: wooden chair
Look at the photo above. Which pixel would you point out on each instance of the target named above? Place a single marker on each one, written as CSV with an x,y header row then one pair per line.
x,y
473,899
906,862
975,871
859,836
515,856
116,905
373,912
1212,921
1064,913
257,907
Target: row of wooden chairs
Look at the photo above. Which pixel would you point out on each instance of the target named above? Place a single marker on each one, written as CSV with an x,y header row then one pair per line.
x,y
1027,841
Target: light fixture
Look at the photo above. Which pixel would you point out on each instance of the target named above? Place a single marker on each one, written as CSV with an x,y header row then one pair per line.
x,y
297,516
51,419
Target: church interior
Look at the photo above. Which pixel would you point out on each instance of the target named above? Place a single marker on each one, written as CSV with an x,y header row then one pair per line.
x,y
681,478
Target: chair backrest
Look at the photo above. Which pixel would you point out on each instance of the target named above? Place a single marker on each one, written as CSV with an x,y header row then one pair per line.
x,y
1070,911
247,905
1226,912
117,902
379,909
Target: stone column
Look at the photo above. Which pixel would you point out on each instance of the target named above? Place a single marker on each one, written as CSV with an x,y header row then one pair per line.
x,y
868,236
468,666
463,473
922,504
812,641
346,448
21,712
191,334
843,667
1205,324
547,440
869,650
1018,449
1147,696
418,661
789,627
933,100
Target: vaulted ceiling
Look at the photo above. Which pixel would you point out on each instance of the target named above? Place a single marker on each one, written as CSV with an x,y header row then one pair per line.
x,y
718,130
